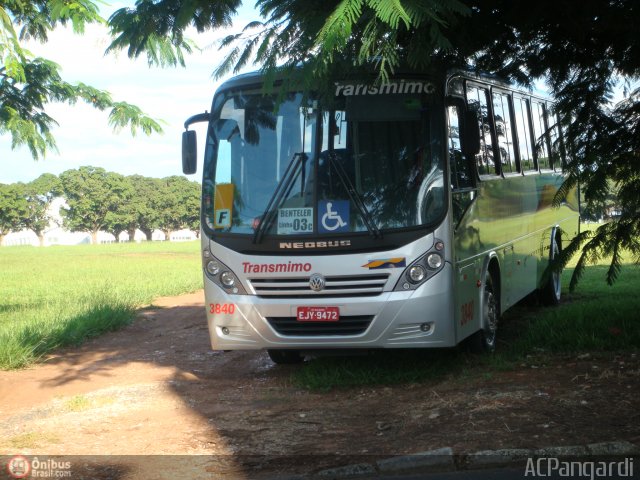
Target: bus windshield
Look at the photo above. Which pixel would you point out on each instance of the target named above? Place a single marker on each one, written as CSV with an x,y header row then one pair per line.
x,y
283,165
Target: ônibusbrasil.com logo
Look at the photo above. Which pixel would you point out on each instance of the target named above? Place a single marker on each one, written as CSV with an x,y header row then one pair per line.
x,y
20,466
551,466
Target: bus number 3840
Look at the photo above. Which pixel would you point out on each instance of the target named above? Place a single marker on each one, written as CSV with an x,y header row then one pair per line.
x,y
222,308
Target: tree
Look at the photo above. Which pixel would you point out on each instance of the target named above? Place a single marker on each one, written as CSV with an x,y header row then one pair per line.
x,y
28,84
601,209
123,217
144,206
180,202
13,209
91,194
582,53
39,195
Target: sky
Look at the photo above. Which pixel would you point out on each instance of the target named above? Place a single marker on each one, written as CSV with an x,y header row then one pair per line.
x,y
83,135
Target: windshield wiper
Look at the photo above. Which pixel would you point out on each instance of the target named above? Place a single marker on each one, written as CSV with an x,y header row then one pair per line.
x,y
282,190
355,197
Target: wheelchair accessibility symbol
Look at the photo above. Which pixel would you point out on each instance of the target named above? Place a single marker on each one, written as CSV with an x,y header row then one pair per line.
x,y
333,216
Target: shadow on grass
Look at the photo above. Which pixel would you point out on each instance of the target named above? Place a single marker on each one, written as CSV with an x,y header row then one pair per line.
x,y
379,367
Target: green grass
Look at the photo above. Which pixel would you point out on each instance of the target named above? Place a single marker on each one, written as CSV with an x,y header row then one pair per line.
x,y
595,318
59,296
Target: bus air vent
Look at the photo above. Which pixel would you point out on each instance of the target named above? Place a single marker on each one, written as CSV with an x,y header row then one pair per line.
x,y
335,286
347,325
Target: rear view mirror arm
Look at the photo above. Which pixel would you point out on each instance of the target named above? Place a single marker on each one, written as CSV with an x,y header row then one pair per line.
x,y
200,117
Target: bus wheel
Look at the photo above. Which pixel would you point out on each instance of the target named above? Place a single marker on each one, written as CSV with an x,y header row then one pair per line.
x,y
484,340
552,289
285,357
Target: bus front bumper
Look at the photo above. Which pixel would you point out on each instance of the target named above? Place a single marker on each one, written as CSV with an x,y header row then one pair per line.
x,y
419,318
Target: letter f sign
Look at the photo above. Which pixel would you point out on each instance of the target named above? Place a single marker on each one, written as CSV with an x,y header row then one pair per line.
x,y
223,218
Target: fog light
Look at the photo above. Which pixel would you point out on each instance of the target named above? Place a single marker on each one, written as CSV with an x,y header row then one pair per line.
x,y
213,267
417,273
227,279
434,261
206,253
425,327
439,246
225,331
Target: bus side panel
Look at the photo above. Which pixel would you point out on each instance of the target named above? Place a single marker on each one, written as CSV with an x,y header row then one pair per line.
x,y
565,217
514,218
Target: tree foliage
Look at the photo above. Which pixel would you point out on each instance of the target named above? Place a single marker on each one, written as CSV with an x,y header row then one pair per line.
x,y
91,194
28,83
13,209
144,207
157,27
99,200
39,195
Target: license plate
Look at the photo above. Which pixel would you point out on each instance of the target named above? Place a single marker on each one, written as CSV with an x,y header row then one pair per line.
x,y
318,314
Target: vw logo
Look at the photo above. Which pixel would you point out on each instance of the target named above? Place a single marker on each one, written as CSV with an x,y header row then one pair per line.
x,y
317,282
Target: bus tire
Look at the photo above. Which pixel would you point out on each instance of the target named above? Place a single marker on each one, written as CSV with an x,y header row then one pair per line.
x,y
552,289
285,357
484,340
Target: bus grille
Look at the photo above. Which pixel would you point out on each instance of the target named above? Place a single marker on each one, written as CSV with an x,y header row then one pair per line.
x,y
336,286
349,325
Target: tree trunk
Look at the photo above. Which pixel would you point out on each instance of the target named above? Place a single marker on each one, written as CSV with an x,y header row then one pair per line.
x,y
167,235
41,239
94,237
2,235
132,234
147,233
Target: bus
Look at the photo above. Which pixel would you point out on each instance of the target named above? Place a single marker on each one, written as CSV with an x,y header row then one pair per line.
x,y
405,214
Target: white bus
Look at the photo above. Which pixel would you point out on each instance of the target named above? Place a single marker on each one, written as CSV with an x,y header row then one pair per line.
x,y
404,215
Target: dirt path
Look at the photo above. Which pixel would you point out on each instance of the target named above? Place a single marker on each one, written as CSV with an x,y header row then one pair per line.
x,y
156,388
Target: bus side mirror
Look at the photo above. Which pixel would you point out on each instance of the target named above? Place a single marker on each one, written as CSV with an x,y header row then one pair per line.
x,y
471,137
189,152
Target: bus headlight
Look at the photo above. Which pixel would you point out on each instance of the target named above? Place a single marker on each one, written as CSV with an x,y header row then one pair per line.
x,y
423,268
227,279
434,261
213,267
220,274
416,273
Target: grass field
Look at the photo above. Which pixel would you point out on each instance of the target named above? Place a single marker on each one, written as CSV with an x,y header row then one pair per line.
x,y
57,296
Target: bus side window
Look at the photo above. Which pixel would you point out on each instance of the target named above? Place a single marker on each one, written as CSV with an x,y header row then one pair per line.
x,y
556,140
477,99
540,135
523,126
564,147
461,173
502,118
